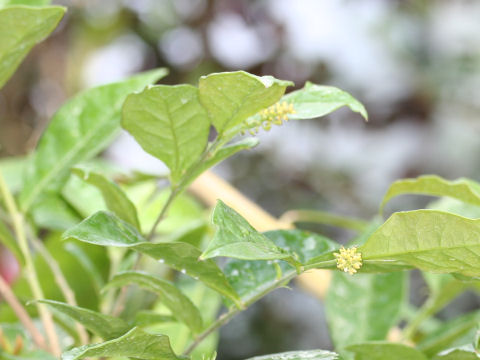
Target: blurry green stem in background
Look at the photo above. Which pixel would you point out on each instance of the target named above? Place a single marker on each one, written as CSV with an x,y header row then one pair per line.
x,y
30,272
320,217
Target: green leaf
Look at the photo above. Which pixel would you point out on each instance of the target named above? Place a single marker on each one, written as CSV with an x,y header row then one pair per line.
x,y
7,239
180,305
24,2
107,230
429,240
236,238
114,197
316,100
300,355
105,326
385,351
12,169
169,123
231,97
363,307
79,130
462,189
148,317
250,278
447,333
54,213
222,154
466,352
20,29
136,344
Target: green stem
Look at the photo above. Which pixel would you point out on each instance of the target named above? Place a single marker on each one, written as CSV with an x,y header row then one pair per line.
x,y
163,212
30,271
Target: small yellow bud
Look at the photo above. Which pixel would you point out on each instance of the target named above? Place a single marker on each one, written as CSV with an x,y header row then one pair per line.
x,y
349,260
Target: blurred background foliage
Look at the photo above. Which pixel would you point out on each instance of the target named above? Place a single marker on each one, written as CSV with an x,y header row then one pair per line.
x,y
414,64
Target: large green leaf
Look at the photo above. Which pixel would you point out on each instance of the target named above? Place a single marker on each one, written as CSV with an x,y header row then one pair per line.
x,y
107,230
54,213
20,29
105,326
180,305
7,239
363,307
24,2
236,238
385,351
113,195
170,123
466,352
429,240
300,355
232,97
250,278
462,189
136,344
80,129
316,100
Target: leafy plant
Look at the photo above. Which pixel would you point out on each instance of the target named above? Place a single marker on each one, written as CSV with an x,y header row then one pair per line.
x,y
81,254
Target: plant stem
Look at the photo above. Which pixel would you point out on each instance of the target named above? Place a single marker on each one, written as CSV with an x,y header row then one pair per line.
x,y
62,283
21,314
30,271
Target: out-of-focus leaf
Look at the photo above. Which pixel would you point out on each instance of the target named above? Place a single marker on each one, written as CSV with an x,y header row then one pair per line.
x,y
385,351
80,129
107,230
7,239
30,355
429,240
105,326
447,333
462,189
136,344
300,355
170,123
316,100
363,307
466,352
113,195
236,238
180,305
20,29
148,317
232,97
12,169
54,213
24,2
250,278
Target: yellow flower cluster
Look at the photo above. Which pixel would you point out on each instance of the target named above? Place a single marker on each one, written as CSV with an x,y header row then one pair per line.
x,y
349,260
273,115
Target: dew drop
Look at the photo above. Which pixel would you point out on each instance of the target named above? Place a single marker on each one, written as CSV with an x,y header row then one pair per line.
x,y
161,261
183,271
235,272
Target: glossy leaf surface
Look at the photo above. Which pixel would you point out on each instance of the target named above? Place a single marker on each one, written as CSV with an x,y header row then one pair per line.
x,y
107,230
114,197
300,355
136,344
385,351
105,326
236,238
316,100
80,129
363,307
232,97
462,189
20,29
466,352
180,305
429,240
170,123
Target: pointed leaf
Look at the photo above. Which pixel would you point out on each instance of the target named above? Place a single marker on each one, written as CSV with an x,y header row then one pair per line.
x,y
105,326
236,238
169,123
231,97
300,355
136,344
180,305
466,352
20,29
380,298
316,100
80,129
114,197
462,189
385,351
107,230
430,240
